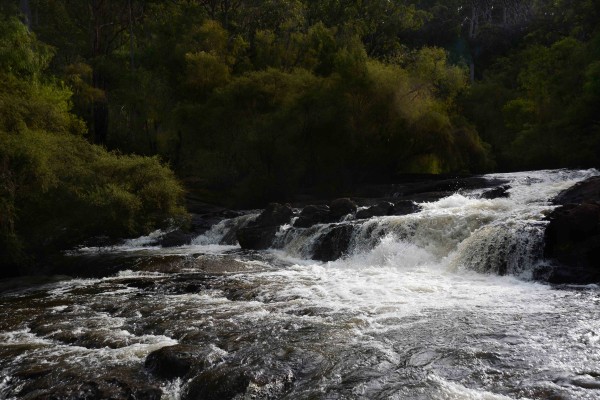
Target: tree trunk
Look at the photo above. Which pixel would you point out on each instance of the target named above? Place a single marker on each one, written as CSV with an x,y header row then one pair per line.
x,y
100,111
472,72
132,65
100,107
26,11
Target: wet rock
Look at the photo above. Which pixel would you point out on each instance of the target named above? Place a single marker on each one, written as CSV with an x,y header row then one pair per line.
x,y
274,215
33,372
496,193
228,382
378,210
176,238
256,237
405,207
177,361
582,192
334,244
341,207
259,234
572,240
114,388
312,215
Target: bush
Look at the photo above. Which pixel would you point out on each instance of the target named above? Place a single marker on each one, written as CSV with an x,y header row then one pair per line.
x,y
56,189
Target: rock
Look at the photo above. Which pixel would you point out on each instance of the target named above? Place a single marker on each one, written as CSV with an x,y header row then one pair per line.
x,y
572,237
586,191
572,240
259,234
217,385
229,382
177,361
499,192
333,244
256,237
378,210
341,207
405,207
176,238
274,215
34,372
312,215
108,387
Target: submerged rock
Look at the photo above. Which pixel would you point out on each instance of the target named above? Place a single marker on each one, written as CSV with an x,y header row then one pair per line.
x,y
107,387
177,361
572,238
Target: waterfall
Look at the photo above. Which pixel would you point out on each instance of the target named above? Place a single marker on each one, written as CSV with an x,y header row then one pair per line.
x,y
463,231
224,231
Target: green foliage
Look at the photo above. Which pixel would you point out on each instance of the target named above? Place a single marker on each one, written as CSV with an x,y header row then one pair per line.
x,y
268,133
257,100
549,119
57,189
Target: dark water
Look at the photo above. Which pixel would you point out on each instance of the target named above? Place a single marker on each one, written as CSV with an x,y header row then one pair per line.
x,y
416,312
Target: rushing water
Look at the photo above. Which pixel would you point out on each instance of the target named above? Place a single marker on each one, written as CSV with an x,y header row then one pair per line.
x,y
418,309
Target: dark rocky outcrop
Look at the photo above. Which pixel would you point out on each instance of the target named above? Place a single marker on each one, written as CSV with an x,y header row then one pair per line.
x,y
341,207
112,387
176,238
573,241
405,207
177,361
259,234
334,244
225,383
496,193
380,209
312,215
582,192
199,224
572,238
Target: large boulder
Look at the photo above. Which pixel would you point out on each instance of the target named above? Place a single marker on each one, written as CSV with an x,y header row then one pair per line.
x,y
333,244
341,207
312,215
380,209
225,382
405,207
582,192
178,237
274,215
572,238
573,241
496,193
259,234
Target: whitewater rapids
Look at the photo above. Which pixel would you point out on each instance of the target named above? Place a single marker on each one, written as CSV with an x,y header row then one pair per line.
x,y
439,304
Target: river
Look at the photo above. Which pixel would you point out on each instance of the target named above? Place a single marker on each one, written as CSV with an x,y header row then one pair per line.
x,y
439,304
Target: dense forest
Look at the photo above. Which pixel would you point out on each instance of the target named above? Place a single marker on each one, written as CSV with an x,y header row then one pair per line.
x,y
250,101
